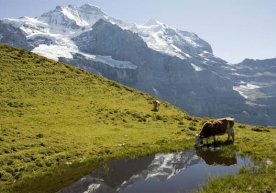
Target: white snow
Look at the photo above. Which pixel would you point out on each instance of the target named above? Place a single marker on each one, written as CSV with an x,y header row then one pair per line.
x,y
196,68
265,74
72,13
1,37
15,22
53,37
258,74
93,187
155,35
190,41
34,21
250,91
249,86
237,74
110,61
240,91
28,25
152,22
53,51
63,47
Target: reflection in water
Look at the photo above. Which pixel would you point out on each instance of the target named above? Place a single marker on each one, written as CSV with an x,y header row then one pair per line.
x,y
111,176
173,172
217,157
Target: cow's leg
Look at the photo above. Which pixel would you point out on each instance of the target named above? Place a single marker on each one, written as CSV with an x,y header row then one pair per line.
x,y
214,138
229,131
229,134
233,135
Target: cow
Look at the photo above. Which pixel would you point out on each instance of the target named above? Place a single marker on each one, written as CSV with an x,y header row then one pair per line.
x,y
156,105
216,127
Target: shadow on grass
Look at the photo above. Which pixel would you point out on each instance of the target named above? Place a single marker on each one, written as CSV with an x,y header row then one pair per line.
x,y
217,144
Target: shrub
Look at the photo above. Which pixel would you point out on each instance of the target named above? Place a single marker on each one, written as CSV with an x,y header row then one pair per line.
x,y
39,163
241,126
193,124
187,117
39,135
260,129
181,123
192,128
158,117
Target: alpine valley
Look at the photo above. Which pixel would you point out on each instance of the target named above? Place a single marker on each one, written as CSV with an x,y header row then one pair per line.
x,y
171,64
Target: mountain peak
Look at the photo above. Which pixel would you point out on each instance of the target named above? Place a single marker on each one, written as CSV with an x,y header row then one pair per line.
x,y
72,17
58,8
90,7
152,22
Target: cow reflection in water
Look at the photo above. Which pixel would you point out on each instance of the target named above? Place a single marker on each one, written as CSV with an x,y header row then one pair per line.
x,y
217,157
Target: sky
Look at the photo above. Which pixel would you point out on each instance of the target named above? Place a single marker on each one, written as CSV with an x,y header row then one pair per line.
x,y
236,29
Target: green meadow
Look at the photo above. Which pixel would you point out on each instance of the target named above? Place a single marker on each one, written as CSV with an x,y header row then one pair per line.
x,y
58,123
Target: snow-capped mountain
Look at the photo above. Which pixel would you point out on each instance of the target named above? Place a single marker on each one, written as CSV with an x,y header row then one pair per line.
x,y
174,42
174,65
58,26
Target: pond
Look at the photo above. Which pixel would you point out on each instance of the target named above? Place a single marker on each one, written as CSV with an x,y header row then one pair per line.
x,y
171,172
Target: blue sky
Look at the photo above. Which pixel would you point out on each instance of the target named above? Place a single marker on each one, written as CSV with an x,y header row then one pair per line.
x,y
236,29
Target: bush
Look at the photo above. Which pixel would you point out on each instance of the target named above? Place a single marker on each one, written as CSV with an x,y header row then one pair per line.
x,y
187,117
260,129
39,163
193,124
39,135
241,126
158,117
192,128
181,123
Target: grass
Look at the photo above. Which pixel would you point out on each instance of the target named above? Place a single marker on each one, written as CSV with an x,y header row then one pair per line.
x,y
58,123
260,144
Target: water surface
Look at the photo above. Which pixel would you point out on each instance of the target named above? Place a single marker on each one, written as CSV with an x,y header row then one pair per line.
x,y
161,173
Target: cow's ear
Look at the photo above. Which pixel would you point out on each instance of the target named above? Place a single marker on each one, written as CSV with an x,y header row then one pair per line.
x,y
207,124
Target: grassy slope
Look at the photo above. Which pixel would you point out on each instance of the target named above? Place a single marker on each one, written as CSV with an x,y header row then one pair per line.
x,y
57,123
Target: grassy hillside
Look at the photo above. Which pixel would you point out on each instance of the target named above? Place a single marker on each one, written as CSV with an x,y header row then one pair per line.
x,y
56,115
57,123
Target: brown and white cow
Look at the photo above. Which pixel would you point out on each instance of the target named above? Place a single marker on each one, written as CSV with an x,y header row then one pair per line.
x,y
216,127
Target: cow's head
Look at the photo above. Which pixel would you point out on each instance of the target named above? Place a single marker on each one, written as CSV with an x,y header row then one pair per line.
x,y
198,138
207,125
